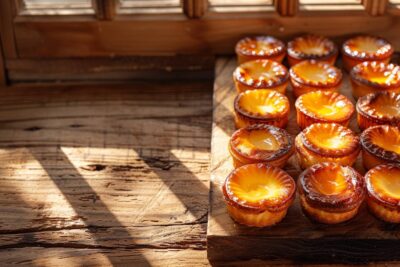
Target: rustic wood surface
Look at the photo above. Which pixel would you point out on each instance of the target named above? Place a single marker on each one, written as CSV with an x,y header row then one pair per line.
x,y
296,237
105,175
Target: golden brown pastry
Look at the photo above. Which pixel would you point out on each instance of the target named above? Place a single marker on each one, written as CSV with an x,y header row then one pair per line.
x,y
311,75
378,109
261,74
383,187
323,106
372,77
365,48
380,145
311,47
326,142
260,47
261,107
261,143
258,194
331,193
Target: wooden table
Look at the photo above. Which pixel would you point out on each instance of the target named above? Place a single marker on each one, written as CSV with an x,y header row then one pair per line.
x,y
105,175
296,239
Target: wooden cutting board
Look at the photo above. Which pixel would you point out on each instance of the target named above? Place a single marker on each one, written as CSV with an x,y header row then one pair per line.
x,y
296,239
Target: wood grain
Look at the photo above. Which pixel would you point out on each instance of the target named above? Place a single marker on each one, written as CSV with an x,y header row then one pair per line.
x,y
3,76
110,69
374,7
209,35
296,238
7,29
105,175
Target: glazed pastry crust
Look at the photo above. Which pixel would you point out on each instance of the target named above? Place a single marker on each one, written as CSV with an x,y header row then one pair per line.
x,y
364,73
311,47
347,200
368,115
254,154
373,136
260,46
326,142
276,204
307,108
251,74
333,76
383,194
374,177
309,140
353,48
277,115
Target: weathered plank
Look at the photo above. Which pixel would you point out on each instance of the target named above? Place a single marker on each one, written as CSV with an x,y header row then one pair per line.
x,y
105,175
71,257
296,238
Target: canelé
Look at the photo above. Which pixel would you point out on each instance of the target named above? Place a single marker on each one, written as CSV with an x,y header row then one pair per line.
x,y
261,143
331,193
323,106
261,74
258,194
261,107
311,75
365,48
372,77
378,109
311,47
260,47
380,145
326,142
383,192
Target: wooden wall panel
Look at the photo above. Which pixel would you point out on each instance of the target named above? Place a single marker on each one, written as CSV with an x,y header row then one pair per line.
x,y
375,7
195,8
37,39
3,77
110,69
7,30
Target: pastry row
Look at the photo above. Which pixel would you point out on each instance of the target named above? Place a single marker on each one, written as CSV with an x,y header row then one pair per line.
x,y
273,108
260,194
355,50
366,57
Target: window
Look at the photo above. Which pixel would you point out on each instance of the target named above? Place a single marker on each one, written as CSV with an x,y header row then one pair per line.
x,y
240,5
42,37
55,7
149,6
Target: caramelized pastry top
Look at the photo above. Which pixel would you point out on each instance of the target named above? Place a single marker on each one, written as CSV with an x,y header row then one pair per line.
x,y
383,106
316,73
332,186
260,46
325,105
383,184
367,47
262,73
261,104
377,74
329,139
382,141
259,187
261,142
311,47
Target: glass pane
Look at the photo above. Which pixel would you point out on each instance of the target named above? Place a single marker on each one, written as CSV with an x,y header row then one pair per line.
x,y
240,5
331,5
57,7
240,2
149,6
394,5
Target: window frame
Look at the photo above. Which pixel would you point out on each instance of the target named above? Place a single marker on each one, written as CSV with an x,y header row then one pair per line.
x,y
196,31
